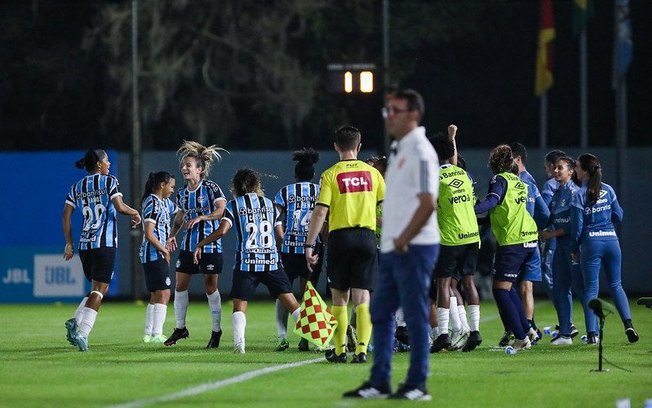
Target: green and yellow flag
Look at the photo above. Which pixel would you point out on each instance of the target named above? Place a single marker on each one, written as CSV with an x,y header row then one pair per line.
x,y
316,323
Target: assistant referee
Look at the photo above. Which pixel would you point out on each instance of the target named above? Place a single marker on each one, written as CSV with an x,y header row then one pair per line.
x,y
349,193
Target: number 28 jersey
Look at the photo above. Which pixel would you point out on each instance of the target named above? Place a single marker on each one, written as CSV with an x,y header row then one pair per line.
x,y
253,218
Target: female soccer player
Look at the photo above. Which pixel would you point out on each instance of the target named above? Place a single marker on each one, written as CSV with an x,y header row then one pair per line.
x,y
517,237
202,203
594,242
295,202
565,273
154,256
253,216
99,197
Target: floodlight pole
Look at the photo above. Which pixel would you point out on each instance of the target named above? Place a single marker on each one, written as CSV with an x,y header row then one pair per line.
x,y
387,140
136,165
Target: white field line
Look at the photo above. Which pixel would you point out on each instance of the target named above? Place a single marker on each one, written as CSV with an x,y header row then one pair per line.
x,y
200,389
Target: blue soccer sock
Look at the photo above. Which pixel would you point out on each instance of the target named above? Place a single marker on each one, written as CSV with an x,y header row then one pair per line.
x,y
508,312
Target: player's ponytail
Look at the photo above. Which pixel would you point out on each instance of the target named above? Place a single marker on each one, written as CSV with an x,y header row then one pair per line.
x,y
153,181
591,165
304,170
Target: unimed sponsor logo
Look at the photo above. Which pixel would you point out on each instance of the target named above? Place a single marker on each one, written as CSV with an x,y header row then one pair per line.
x,y
354,182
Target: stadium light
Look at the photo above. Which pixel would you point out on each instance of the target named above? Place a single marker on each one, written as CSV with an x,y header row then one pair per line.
x,y
351,78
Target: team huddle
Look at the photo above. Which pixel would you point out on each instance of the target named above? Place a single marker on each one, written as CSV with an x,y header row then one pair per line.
x,y
400,238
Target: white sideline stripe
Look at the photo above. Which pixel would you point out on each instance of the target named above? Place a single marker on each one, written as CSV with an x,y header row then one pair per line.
x,y
200,389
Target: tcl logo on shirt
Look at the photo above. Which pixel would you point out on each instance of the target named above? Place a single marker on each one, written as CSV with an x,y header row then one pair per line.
x,y
354,181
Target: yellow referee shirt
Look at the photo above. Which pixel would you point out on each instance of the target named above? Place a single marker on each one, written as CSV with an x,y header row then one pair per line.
x,y
351,189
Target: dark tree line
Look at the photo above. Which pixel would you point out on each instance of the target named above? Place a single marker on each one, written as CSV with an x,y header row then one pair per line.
x,y
252,75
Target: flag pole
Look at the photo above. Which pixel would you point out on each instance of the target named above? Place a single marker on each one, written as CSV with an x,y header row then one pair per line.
x,y
584,133
543,120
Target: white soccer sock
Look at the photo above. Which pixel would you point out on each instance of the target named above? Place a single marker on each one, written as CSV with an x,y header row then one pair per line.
x,y
215,305
180,307
296,314
281,320
400,318
159,313
462,313
239,321
443,316
474,313
456,323
80,310
149,319
87,321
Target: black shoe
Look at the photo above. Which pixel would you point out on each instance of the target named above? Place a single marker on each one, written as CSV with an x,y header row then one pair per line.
x,y
214,342
368,391
410,392
177,335
632,336
507,337
359,358
473,341
402,335
335,358
351,339
592,338
441,343
303,345
574,331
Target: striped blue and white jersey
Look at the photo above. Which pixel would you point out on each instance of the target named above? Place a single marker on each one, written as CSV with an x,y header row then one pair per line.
x,y
201,201
253,218
297,201
93,195
159,212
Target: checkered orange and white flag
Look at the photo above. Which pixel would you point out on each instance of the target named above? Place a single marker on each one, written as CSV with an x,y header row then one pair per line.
x,y
316,323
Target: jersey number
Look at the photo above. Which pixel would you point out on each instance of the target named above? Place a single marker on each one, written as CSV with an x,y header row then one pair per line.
x,y
299,222
259,237
93,217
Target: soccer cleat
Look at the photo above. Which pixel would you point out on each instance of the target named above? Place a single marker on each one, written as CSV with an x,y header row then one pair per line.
x,y
351,338
574,331
412,393
177,335
304,345
158,339
522,344
474,341
71,330
360,358
147,338
562,341
533,335
368,391
592,338
239,348
332,357
214,341
504,341
632,336
443,342
283,344
81,342
402,335
458,339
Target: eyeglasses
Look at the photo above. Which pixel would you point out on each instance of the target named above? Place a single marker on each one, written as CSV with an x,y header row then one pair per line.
x,y
391,110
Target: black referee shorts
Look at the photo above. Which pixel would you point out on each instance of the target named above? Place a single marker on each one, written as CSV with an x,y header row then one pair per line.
x,y
352,258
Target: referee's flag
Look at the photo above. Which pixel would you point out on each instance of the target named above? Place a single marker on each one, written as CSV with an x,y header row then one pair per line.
x,y
544,79
316,323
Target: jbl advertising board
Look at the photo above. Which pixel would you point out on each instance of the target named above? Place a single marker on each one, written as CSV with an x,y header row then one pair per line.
x,y
34,187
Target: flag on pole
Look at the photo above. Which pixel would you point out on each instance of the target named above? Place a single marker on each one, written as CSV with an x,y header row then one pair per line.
x,y
544,78
623,45
316,323
582,11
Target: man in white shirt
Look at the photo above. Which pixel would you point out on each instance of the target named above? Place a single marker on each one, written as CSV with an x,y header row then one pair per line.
x,y
409,247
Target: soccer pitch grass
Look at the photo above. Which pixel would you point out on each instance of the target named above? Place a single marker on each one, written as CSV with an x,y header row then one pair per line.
x,y
40,369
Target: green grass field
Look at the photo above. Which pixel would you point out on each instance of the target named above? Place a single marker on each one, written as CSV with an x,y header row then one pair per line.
x,y
40,369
